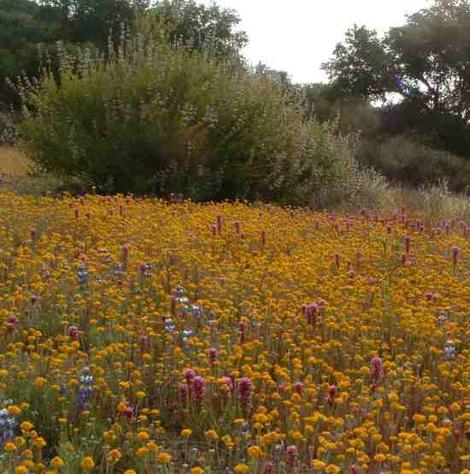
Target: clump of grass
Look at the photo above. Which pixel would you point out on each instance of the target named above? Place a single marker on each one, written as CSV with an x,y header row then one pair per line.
x,y
18,175
12,162
432,201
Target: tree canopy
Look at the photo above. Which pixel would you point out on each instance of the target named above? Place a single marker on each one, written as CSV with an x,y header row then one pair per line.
x,y
27,25
425,63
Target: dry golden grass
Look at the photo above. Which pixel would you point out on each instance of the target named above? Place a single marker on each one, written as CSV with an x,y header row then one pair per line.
x,y
12,162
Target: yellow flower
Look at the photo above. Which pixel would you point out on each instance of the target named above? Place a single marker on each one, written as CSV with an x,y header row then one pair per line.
x,y
242,469
197,470
9,447
39,382
143,436
21,470
114,455
14,410
40,442
164,458
142,452
26,426
318,465
380,458
212,435
57,462
254,451
130,471
332,469
152,446
27,454
87,463
186,433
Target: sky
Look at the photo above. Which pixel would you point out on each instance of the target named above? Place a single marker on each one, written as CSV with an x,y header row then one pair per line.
x,y
297,36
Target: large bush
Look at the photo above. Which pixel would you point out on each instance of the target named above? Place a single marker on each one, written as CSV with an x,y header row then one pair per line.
x,y
154,118
406,160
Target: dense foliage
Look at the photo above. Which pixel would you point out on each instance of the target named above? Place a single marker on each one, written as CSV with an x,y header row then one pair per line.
x,y
408,87
154,118
29,29
389,143
425,63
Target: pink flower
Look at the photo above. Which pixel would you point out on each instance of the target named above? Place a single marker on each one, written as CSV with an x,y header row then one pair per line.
x,y
124,255
269,469
189,374
74,333
455,255
291,454
229,383
242,326
337,259
298,387
376,370
144,343
129,412
332,391
183,390
245,390
310,312
430,296
199,389
407,244
12,322
213,355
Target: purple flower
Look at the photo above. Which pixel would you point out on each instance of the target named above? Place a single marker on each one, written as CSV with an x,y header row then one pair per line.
x,y
245,390
298,387
377,370
85,388
291,453
212,355
184,392
199,389
189,375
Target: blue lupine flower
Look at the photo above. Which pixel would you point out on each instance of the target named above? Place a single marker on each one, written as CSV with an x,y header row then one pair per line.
x,y
82,275
169,325
85,388
450,350
8,424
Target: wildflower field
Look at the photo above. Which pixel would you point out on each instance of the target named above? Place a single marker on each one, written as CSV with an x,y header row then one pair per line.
x,y
140,336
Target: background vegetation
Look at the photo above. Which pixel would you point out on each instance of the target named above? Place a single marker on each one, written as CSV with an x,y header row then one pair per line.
x,y
126,96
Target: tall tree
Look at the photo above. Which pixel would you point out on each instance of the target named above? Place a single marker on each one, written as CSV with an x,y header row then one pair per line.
x,y
426,62
94,20
198,26
23,26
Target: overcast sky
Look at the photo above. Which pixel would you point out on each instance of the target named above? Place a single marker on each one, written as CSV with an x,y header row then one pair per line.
x,y
297,36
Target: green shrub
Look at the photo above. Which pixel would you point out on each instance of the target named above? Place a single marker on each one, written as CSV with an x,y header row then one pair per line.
x,y
408,161
157,119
